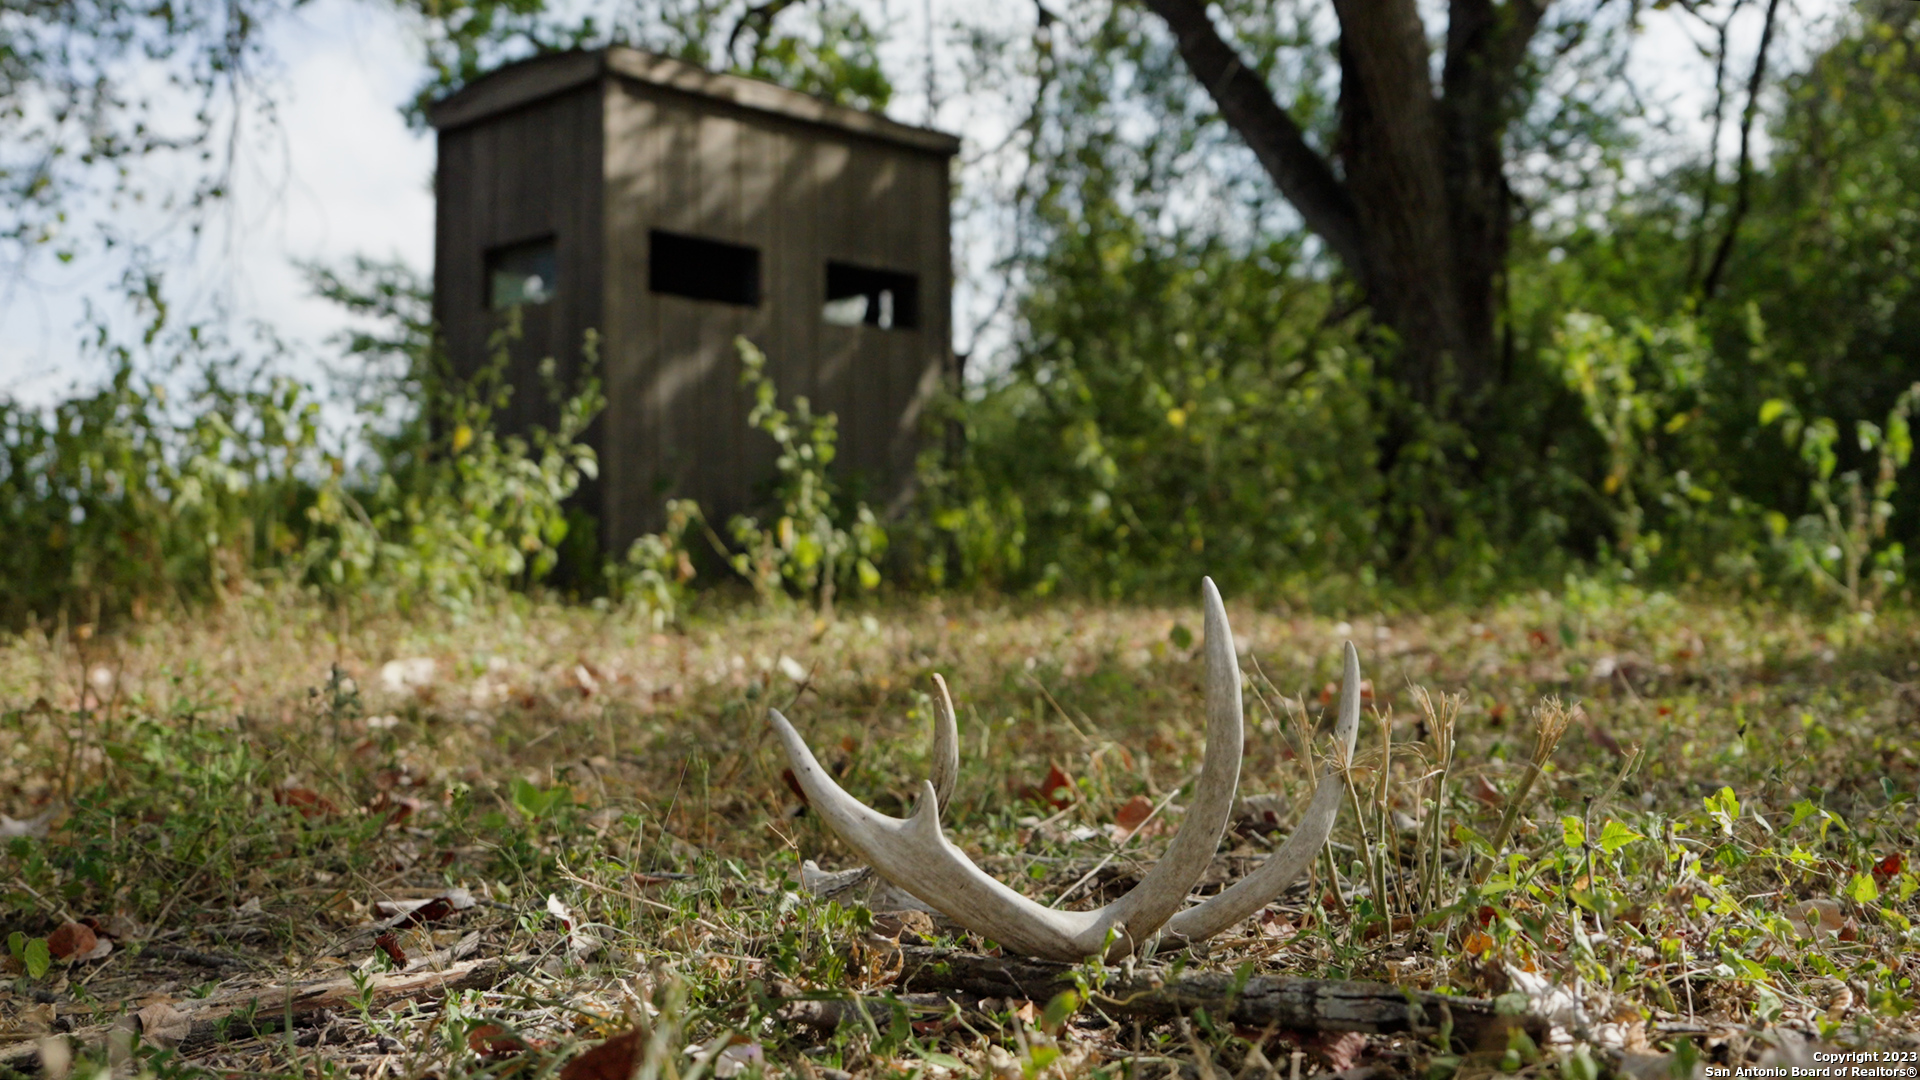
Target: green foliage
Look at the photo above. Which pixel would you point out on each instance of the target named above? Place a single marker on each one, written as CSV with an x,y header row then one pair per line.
x,y
95,93
1645,392
466,508
653,578
1177,401
32,953
133,497
829,50
122,500
1842,545
813,546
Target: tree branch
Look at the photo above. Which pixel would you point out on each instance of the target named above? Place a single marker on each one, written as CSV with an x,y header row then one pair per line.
x,y
1712,179
1248,106
1743,185
941,975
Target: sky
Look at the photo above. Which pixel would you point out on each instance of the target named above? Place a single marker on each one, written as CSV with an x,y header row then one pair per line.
x,y
340,174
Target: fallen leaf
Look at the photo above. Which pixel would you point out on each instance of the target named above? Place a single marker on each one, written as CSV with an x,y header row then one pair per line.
x,y
1483,790
1816,916
32,1020
1337,1050
163,1025
401,913
494,1041
1477,943
616,1059
75,942
310,803
1136,816
390,944
411,673
1890,866
1057,789
33,828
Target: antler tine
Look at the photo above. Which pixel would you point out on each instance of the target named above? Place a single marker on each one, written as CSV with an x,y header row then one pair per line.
x,y
946,743
1271,878
915,855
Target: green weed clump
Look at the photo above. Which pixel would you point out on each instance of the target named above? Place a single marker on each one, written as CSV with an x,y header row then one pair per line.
x,y
139,497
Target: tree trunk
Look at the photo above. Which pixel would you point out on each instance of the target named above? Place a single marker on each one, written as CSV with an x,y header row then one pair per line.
x,y
1418,210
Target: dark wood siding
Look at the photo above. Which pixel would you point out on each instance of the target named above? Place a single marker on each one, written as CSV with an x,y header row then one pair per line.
x,y
527,173
607,158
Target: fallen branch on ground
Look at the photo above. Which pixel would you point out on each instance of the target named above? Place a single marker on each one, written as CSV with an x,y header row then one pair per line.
x,y
193,1026
1261,1001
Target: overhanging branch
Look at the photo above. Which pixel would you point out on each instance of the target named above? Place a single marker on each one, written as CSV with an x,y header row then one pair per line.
x,y
1247,104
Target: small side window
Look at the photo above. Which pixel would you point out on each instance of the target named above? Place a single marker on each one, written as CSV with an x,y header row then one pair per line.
x,y
702,269
887,299
523,273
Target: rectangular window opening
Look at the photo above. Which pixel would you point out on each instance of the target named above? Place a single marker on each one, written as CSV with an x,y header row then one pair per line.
x,y
859,295
523,273
702,269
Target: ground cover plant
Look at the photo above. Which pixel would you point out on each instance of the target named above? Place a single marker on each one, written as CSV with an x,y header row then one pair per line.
x,y
1681,829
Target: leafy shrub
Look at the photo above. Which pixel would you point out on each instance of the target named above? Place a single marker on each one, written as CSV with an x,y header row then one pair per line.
x,y
1174,406
654,576
813,546
1646,391
120,500
1841,545
466,509
128,497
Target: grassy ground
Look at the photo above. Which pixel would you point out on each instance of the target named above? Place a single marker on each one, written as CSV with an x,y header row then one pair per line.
x,y
1715,861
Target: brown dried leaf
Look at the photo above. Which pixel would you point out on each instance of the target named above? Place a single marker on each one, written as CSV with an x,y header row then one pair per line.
x,y
310,803
390,944
73,942
616,1059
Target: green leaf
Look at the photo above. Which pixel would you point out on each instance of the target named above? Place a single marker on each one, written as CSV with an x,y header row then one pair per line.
x,y
1772,410
1474,840
1616,836
1180,636
1725,808
37,957
535,802
17,944
1060,1010
1572,831
1862,890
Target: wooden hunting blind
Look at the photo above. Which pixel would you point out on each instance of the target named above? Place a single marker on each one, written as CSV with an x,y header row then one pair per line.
x,y
671,209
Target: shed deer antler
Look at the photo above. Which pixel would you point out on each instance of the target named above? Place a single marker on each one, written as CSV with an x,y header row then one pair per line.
x,y
914,854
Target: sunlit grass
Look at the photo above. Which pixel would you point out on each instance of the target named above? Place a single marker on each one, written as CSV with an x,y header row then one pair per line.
x,y
1718,844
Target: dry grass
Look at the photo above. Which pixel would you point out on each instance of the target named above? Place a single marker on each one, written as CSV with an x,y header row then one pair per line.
x,y
562,751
